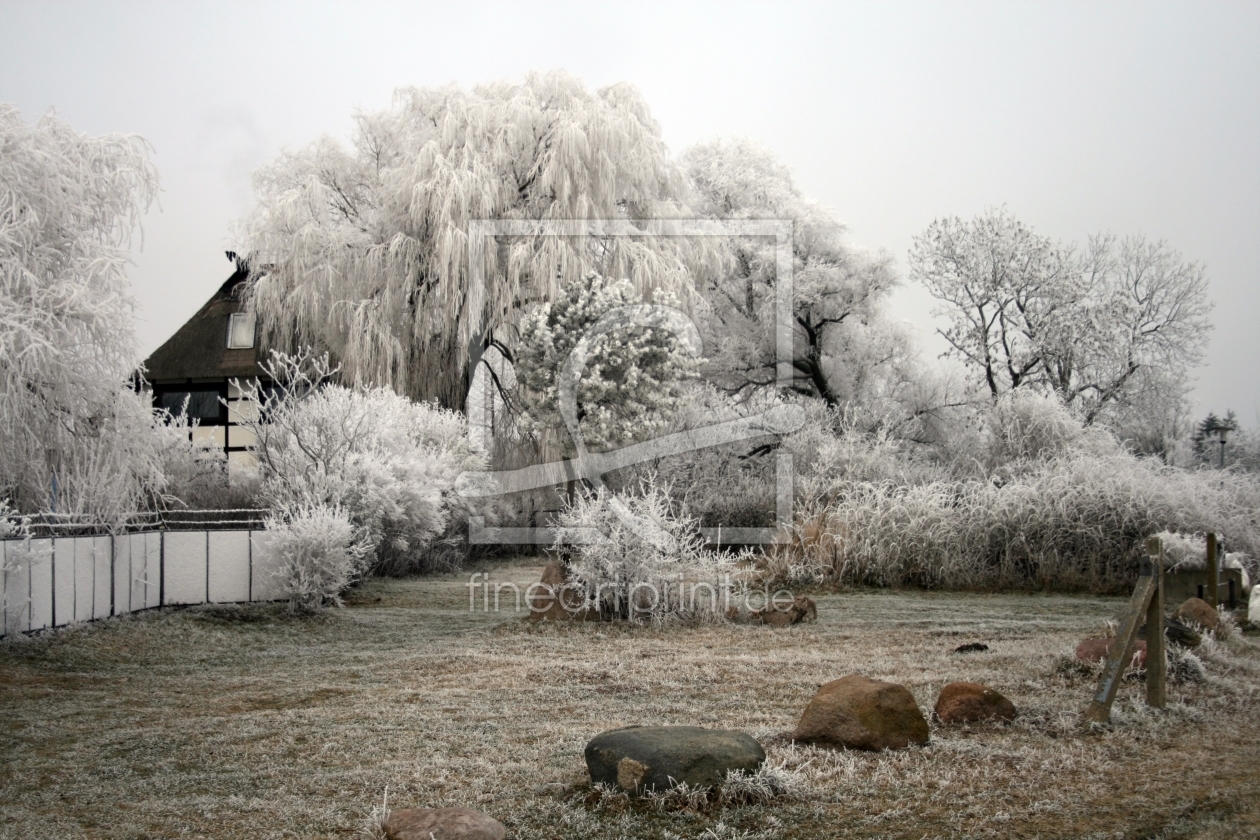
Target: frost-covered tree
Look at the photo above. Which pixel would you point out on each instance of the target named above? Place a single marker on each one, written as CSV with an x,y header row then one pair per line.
x,y
366,249
632,383
842,348
68,423
1107,328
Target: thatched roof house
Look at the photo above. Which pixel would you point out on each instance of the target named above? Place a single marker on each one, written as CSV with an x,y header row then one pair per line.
x,y
196,364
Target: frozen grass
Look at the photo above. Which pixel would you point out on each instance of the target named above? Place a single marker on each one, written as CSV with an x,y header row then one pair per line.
x,y
246,722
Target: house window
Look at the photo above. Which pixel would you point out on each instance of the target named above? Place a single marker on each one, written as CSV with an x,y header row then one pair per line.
x,y
201,405
240,331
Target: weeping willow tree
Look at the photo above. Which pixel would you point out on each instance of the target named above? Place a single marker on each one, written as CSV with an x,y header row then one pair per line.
x,y
364,251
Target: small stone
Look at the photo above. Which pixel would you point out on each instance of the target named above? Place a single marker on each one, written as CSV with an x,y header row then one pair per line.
x,y
968,702
442,824
864,714
1176,632
1199,612
802,609
1096,650
974,647
641,758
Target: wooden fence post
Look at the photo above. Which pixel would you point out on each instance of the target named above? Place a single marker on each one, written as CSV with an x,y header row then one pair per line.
x,y
1121,652
1213,574
1156,663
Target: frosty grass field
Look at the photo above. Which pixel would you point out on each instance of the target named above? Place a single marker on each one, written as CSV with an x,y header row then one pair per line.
x,y
245,722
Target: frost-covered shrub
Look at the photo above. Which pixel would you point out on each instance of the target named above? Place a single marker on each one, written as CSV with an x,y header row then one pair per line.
x,y
12,524
836,447
119,462
1073,522
316,552
654,567
389,463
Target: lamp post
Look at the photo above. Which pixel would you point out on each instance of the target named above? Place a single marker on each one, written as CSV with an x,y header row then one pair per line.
x,y
1221,431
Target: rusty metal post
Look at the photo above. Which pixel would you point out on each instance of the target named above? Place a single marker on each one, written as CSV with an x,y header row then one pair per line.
x,y
1156,662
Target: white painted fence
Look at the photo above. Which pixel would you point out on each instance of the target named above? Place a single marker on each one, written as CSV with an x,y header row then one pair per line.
x,y
54,581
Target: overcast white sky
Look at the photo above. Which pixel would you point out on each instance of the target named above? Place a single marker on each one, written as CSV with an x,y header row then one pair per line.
x,y
1081,117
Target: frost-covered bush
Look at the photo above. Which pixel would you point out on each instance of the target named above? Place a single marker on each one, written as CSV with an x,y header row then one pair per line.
x,y
12,524
316,552
1071,522
837,446
655,567
119,462
389,463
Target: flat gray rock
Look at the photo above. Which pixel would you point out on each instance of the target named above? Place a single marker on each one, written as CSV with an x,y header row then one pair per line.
x,y
641,758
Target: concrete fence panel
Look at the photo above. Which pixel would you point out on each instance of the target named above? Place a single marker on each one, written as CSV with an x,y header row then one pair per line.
x,y
149,587
184,567
122,573
102,577
266,583
39,563
46,581
17,588
228,571
83,550
63,581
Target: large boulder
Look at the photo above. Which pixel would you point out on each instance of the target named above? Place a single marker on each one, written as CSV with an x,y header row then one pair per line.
x,y
641,758
863,714
968,702
554,598
442,824
1096,650
1198,611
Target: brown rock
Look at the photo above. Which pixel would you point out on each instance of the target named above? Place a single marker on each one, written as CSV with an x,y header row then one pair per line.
x,y
968,702
863,714
443,824
1096,650
554,598
803,608
1199,612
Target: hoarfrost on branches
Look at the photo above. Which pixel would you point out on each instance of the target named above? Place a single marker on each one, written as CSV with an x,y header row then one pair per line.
x,y
68,206
843,349
387,463
366,249
1112,329
631,385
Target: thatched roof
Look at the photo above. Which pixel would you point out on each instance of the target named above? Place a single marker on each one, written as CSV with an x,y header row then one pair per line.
x,y
198,350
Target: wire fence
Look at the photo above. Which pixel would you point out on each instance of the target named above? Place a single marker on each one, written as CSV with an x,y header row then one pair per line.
x,y
77,525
